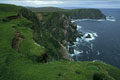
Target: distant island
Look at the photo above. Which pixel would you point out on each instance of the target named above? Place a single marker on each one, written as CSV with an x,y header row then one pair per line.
x,y
33,46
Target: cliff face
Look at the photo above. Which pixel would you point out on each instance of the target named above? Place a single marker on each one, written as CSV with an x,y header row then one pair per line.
x,y
33,48
52,30
59,25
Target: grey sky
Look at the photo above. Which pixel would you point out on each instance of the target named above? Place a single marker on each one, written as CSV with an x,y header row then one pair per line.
x,y
66,3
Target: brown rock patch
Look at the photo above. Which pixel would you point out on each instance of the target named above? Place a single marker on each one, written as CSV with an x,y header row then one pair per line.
x,y
17,40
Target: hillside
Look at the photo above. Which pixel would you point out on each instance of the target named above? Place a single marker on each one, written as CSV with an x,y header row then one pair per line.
x,y
45,9
74,13
32,47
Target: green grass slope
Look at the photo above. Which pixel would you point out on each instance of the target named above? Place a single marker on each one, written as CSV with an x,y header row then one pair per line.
x,y
18,69
28,47
26,63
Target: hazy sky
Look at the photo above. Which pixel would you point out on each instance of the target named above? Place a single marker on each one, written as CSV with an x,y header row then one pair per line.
x,y
66,3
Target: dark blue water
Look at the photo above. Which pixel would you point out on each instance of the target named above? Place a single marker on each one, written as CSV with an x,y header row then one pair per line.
x,y
106,47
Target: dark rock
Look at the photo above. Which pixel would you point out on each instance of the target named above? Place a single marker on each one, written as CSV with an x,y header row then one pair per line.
x,y
88,36
13,17
43,58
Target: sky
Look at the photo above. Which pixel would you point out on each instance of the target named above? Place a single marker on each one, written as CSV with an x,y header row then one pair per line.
x,y
65,3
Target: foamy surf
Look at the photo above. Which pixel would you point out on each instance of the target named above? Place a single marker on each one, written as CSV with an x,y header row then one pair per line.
x,y
79,27
89,36
76,53
108,18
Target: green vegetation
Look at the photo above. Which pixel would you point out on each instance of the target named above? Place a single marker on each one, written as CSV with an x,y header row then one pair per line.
x,y
61,70
31,50
74,13
85,14
46,9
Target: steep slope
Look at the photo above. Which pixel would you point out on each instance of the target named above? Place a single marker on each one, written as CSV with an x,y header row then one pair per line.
x,y
30,50
59,25
43,34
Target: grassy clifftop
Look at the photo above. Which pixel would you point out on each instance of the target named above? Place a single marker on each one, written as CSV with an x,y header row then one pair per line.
x,y
74,13
30,49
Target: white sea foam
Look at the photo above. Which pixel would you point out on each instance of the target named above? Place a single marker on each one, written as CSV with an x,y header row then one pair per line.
x,y
77,39
71,55
79,27
88,20
72,21
98,60
76,53
100,20
95,34
113,20
95,60
92,36
68,47
108,18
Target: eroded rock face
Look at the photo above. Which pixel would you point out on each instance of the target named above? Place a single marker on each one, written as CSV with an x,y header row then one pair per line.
x,y
9,18
17,40
13,17
64,52
69,29
39,16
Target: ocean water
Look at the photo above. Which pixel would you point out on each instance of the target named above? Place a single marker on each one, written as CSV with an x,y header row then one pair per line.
x,y
104,44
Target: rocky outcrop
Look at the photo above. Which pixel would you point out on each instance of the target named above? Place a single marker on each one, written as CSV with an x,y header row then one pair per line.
x,y
69,29
9,18
39,16
64,52
13,17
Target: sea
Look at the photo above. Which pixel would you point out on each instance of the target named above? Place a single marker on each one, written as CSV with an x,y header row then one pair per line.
x,y
101,39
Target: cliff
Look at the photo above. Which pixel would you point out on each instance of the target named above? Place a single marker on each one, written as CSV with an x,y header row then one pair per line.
x,y
85,14
52,30
74,13
32,47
